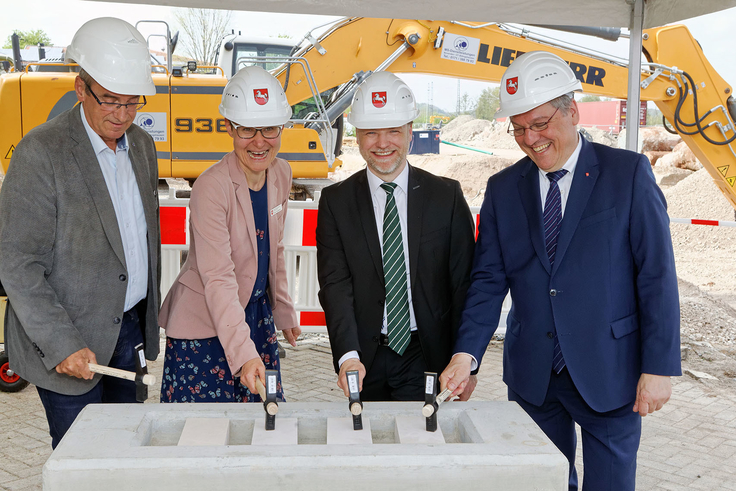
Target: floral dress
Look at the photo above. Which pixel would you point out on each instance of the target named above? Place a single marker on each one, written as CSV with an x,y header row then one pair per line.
x,y
196,370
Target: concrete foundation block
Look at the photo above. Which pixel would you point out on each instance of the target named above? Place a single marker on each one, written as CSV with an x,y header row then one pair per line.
x,y
488,445
340,432
413,429
284,433
205,432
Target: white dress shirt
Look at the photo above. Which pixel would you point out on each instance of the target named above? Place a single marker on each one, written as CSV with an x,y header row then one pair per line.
x,y
126,200
378,196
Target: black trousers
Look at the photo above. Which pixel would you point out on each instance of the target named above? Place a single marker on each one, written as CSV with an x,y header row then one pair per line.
x,y
396,378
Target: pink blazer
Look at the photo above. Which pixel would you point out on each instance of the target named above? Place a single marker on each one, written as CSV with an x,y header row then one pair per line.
x,y
209,296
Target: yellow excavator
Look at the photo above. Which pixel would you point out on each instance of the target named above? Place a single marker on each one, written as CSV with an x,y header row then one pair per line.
x,y
190,135
695,101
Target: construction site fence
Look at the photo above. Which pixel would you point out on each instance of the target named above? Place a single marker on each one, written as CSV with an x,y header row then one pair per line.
x,y
300,255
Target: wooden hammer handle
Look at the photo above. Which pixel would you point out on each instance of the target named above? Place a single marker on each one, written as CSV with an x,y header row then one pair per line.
x,y
261,388
271,408
148,379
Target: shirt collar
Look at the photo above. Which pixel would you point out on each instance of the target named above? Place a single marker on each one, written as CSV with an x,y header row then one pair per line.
x,y
402,180
571,163
98,145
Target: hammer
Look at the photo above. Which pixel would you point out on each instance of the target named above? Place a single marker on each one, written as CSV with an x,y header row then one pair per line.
x,y
141,376
355,405
268,396
432,400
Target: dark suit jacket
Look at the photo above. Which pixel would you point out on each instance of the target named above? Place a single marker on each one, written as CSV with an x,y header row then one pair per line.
x,y
61,254
612,293
350,266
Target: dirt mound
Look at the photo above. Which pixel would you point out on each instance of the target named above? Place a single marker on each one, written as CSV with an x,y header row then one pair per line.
x,y
652,139
597,135
471,170
457,122
703,253
464,129
680,157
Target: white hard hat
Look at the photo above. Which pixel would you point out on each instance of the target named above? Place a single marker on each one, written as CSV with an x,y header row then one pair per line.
x,y
382,101
254,98
533,79
115,54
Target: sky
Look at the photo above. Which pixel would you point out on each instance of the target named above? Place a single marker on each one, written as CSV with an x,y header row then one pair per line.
x,y
61,18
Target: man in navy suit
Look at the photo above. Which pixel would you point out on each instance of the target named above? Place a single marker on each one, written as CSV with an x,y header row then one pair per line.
x,y
579,233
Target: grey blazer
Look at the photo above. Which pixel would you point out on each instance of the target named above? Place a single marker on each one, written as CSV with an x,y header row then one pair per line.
x,y
61,254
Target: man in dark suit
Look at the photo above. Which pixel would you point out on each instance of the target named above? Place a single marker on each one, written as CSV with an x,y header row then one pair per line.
x,y
79,232
394,251
579,233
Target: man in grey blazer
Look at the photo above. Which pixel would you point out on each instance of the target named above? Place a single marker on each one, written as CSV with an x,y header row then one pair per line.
x,y
79,232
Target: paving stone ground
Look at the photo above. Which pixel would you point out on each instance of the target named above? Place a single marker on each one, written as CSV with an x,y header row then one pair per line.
x,y
689,445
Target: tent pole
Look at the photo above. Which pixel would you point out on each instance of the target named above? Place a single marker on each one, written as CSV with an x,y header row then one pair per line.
x,y
632,106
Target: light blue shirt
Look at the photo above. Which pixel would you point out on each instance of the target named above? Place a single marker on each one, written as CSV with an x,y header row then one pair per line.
x,y
565,182
126,200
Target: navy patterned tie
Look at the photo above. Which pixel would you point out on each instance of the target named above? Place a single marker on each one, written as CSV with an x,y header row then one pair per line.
x,y
552,218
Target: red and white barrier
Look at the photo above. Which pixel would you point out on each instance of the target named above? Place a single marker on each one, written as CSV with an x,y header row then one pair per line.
x,y
698,221
300,246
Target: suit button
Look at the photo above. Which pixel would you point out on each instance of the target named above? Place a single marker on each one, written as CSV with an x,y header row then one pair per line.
x,y
550,335
553,293
123,277
116,320
375,339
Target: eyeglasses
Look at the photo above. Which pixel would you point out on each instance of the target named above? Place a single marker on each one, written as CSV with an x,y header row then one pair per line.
x,y
114,106
268,132
536,127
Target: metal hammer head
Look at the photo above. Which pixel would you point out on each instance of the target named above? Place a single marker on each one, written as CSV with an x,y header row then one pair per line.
x,y
141,369
270,404
355,405
430,393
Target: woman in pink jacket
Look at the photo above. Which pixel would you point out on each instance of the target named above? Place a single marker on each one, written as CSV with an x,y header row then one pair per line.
x,y
231,295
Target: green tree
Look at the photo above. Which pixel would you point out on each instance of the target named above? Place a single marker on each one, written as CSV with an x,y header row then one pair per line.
x,y
29,38
487,103
466,105
590,98
654,117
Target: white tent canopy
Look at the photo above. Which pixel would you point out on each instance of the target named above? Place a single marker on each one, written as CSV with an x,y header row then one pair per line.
x,y
603,13
633,14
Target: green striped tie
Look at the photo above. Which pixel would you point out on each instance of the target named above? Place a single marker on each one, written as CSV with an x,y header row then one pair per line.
x,y
394,273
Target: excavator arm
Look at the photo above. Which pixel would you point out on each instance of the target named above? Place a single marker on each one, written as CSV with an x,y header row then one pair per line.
x,y
676,76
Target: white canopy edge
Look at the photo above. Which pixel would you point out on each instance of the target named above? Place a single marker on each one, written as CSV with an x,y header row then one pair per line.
x,y
602,13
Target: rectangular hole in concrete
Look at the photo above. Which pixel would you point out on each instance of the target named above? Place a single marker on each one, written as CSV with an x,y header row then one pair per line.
x,y
164,429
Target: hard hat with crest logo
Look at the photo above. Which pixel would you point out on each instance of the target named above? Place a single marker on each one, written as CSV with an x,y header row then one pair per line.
x,y
382,101
254,98
533,79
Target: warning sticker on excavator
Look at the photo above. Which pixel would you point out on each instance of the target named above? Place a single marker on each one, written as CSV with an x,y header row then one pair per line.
x,y
460,48
731,180
723,170
10,152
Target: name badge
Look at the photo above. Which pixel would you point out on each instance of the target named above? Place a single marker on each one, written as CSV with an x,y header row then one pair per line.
x,y
276,210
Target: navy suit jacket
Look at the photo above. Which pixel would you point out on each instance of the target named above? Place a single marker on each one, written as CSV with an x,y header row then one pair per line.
x,y
611,294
